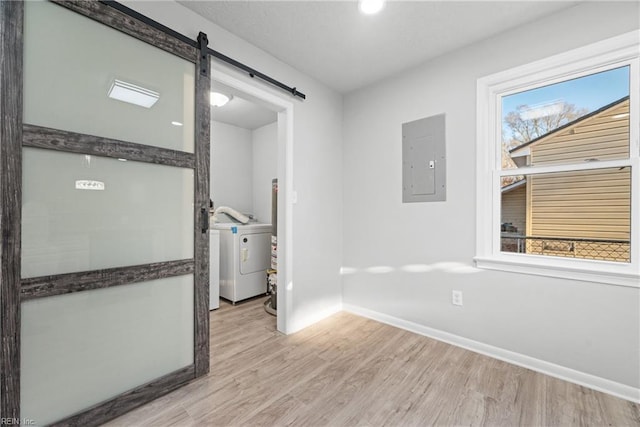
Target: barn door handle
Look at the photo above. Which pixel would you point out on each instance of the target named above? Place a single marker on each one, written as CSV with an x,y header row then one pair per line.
x,y
204,217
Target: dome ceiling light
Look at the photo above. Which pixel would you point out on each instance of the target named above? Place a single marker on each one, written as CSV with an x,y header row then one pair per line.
x,y
370,7
219,99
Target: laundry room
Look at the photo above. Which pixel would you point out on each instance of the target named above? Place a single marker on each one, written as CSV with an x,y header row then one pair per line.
x,y
244,161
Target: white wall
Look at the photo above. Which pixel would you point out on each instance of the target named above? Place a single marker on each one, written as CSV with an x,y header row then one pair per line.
x,y
231,167
317,162
589,327
265,168
243,163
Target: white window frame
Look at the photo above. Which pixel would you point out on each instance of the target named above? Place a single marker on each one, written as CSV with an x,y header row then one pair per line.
x,y
607,54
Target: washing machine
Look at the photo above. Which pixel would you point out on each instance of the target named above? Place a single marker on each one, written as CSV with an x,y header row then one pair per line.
x,y
245,256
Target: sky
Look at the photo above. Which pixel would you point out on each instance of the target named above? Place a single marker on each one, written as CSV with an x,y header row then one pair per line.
x,y
590,92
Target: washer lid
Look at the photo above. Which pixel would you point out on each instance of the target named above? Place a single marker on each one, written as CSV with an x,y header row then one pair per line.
x,y
255,226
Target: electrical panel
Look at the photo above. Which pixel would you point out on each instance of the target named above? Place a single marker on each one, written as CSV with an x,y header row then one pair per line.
x,y
424,160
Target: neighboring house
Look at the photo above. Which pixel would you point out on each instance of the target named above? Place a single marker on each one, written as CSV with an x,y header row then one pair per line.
x,y
514,207
582,214
514,216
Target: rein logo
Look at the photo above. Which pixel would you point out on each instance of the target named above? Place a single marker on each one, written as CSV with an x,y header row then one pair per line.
x,y
17,422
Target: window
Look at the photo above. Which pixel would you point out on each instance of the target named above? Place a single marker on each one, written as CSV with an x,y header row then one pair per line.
x,y
557,161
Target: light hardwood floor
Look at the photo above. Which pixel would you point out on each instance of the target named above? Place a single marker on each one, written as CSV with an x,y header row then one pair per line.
x,y
351,371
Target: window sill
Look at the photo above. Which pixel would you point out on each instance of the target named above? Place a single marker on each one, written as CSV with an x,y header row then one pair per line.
x,y
586,271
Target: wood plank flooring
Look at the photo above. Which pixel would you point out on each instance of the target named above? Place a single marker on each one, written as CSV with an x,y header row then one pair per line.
x,y
352,371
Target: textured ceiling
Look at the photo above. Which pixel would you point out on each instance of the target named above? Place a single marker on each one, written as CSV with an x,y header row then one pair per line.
x,y
333,42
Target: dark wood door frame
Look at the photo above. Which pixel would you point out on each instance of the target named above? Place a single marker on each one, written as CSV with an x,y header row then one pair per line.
x,y
11,21
14,135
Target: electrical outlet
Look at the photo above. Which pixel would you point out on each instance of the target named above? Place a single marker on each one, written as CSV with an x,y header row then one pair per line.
x,y
456,297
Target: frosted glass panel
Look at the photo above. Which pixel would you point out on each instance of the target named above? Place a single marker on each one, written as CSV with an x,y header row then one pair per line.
x,y
85,213
70,65
83,348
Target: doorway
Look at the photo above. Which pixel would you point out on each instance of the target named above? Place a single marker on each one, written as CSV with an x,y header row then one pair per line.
x,y
270,117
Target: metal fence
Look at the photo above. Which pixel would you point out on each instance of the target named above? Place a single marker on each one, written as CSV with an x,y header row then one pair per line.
x,y
597,249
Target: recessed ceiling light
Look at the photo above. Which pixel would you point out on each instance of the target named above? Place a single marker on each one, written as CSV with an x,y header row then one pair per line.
x,y
219,99
133,94
369,7
176,123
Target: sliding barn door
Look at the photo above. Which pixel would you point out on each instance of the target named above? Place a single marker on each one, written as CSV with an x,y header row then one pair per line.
x,y
107,259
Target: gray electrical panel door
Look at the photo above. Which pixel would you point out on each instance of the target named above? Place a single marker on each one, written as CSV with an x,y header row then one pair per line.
x,y
423,160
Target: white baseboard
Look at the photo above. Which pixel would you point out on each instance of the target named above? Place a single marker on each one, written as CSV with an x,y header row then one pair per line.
x,y
567,374
309,319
